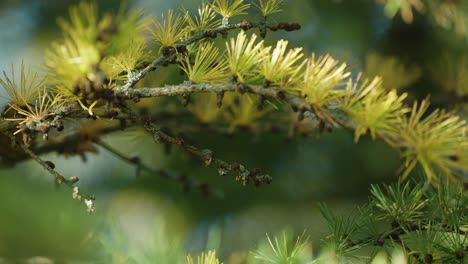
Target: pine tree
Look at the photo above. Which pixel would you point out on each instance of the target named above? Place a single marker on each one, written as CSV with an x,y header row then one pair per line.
x,y
98,74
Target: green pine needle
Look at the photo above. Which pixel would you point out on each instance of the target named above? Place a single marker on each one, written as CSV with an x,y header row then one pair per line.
x,y
228,9
284,249
373,109
436,141
169,29
26,90
269,7
207,67
243,55
400,203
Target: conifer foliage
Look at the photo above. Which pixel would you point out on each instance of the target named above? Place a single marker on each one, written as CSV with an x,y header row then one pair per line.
x,y
96,73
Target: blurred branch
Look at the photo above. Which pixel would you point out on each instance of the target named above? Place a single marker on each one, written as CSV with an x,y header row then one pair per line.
x,y
186,182
78,142
72,143
59,179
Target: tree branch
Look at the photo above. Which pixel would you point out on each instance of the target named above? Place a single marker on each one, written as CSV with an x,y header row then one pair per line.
x,y
186,182
59,179
209,33
187,88
243,174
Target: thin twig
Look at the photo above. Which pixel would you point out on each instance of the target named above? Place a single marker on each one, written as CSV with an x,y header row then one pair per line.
x,y
243,174
131,82
59,179
186,182
209,33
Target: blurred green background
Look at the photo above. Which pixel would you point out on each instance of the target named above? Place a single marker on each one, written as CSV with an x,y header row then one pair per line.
x,y
139,216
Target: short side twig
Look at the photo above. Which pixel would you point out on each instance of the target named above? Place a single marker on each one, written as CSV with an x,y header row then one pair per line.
x,y
186,182
88,200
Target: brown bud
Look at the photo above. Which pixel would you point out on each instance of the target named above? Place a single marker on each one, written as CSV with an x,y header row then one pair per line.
x,y
235,166
245,25
255,171
261,102
241,88
428,258
281,95
185,100
179,141
289,26
257,182
76,90
210,33
321,126
181,49
380,242
50,164
219,99
167,51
